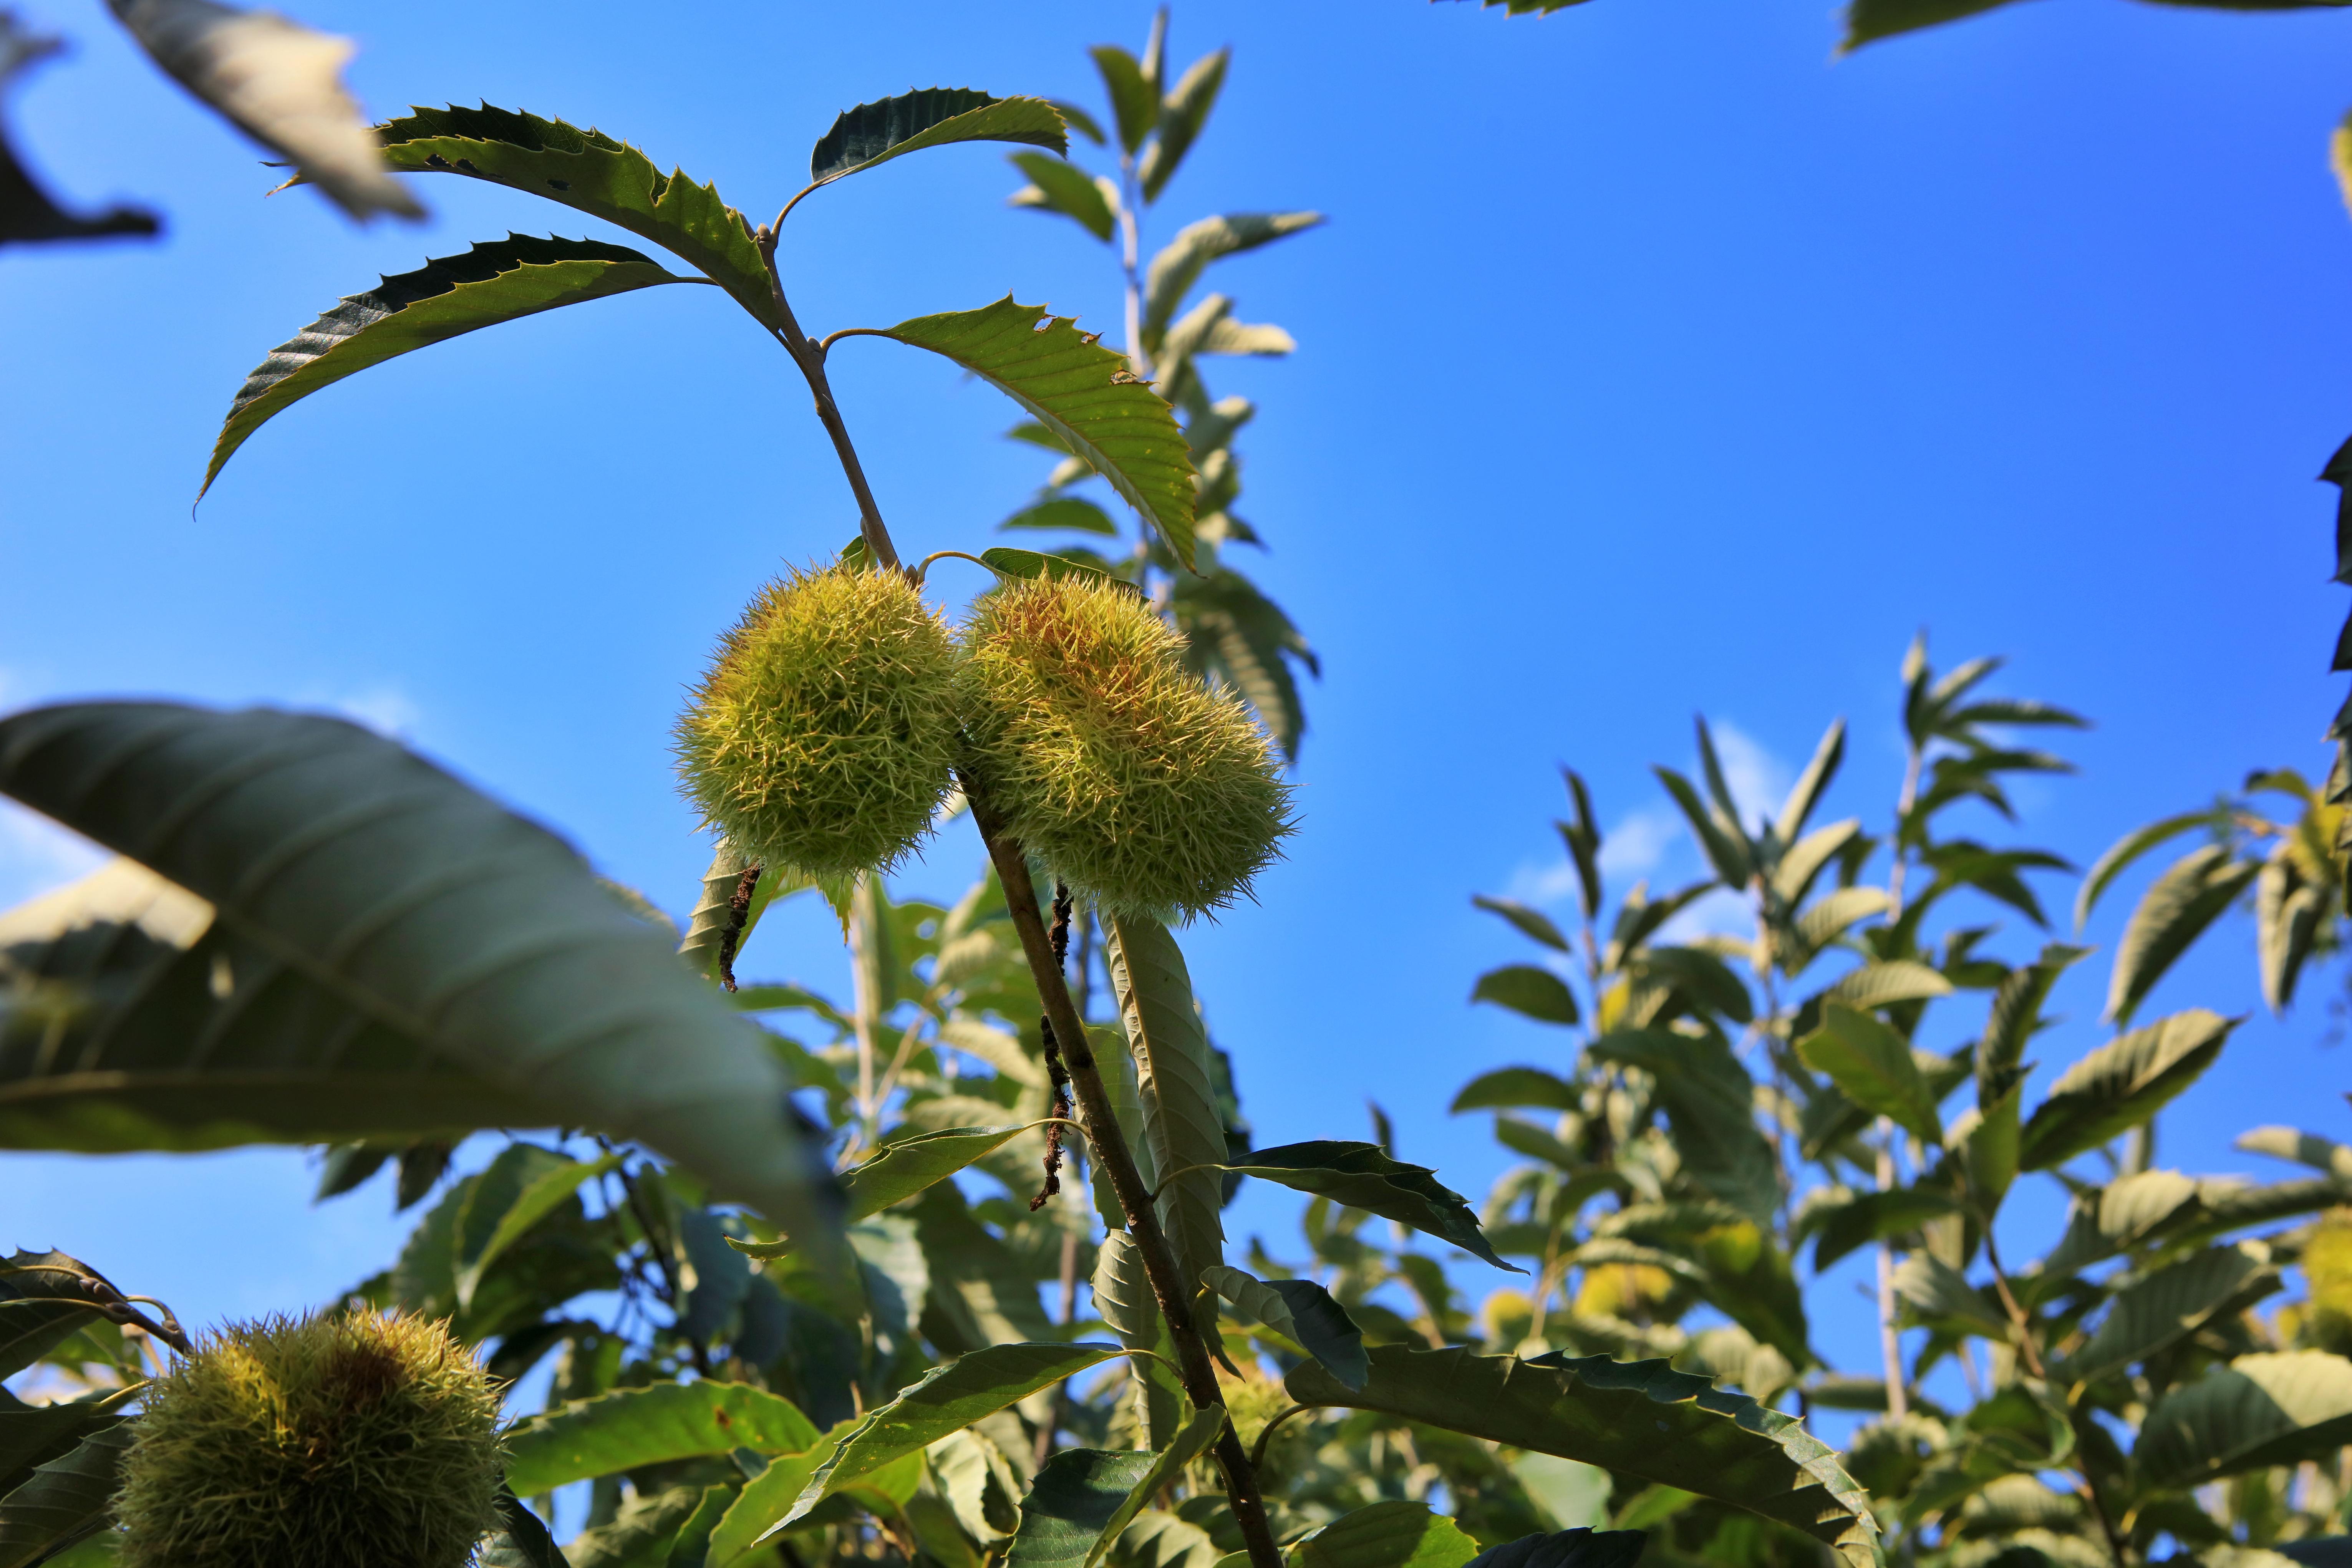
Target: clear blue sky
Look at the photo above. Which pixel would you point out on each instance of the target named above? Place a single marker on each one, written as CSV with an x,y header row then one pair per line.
x,y
1653,362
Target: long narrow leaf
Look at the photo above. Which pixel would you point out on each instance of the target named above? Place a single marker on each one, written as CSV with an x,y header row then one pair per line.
x,y
1176,1082
889,128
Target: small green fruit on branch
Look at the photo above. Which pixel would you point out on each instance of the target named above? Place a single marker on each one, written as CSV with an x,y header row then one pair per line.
x,y
1139,787
368,1441
820,740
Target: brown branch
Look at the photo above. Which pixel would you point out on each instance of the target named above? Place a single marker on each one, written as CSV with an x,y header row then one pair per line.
x,y
739,913
811,360
1117,1162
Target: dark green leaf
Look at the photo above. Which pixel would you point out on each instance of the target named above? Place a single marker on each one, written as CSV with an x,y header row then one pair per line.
x,y
1806,793
1507,1087
1538,994
1085,1497
522,1187
1941,1298
1710,1103
1180,264
905,1166
641,1535
1641,1418
1575,1548
1175,1081
947,1399
2258,1411
591,171
1301,1312
1235,634
386,952
1084,393
1074,513
1873,1065
526,1534
1394,1535
2121,1085
1360,1175
2126,849
889,128
449,296
1134,101
1725,845
1532,923
2172,915
2166,1306
1031,564
64,1500
1057,187
1866,1217
631,1428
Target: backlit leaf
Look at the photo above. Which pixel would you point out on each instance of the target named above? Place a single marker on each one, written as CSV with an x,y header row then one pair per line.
x,y
2121,1085
2258,1411
905,1166
1180,264
1058,186
1301,1312
1393,1534
631,1428
1175,1081
1083,1498
1360,1175
890,127
1529,991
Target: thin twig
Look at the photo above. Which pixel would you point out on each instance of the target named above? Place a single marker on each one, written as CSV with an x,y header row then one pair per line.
x,y
739,912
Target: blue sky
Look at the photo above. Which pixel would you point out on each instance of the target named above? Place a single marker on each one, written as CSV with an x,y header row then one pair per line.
x,y
1653,362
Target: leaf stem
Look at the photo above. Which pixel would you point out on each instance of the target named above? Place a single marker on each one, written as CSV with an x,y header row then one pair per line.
x,y
1118,1161
811,360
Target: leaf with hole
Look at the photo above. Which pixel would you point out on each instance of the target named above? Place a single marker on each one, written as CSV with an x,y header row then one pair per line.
x,y
1084,393
1641,1418
501,281
358,945
873,133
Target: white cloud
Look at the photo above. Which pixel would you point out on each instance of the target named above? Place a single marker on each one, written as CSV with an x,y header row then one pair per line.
x,y
386,710
1639,842
1758,780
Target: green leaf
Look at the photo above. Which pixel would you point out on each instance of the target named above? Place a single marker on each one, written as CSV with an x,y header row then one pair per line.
x,y
1867,21
947,1399
2126,849
386,952
1301,1312
1530,922
1360,1175
1134,101
1884,985
32,1435
631,1428
1031,564
1806,793
2289,914
1582,1548
1122,1291
1710,1104
1074,513
1058,186
2167,1306
1725,845
1182,113
1083,1499
640,1537
905,1166
1509,1087
1865,1217
1084,393
503,281
890,127
64,1500
714,913
1524,989
1235,635
2172,913
1394,1535
1175,1081
691,1547
1873,1065
528,1543
1940,1297
594,173
38,1309
2121,1085
1643,1418
768,1497
535,1188
2258,1411
1180,264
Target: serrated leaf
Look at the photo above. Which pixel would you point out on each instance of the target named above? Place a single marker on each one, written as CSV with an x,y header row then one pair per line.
x,y
1181,262
27,214
32,1435
1084,393
502,280
1059,187
1175,1082
1301,1312
905,1166
2258,1411
281,83
1122,1292
1393,1534
1873,1066
2121,1085
1360,1175
889,128
386,952
1865,1217
64,1500
2168,1305
1643,1418
1884,985
518,1206
631,1428
947,1399
1182,113
1085,1497
1940,1297
1710,1105
1074,513
1529,991
595,173
1235,634
1029,564
1505,1087
2171,914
